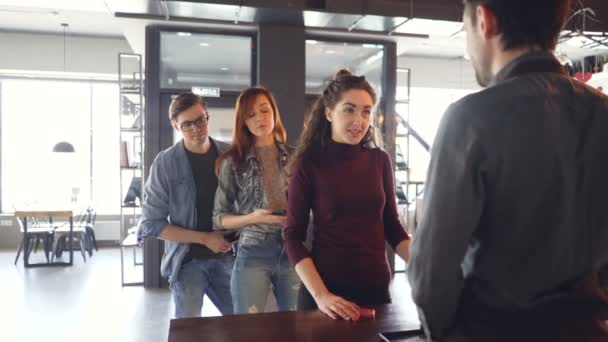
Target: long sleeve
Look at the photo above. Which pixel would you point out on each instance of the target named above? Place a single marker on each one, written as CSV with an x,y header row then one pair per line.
x,y
299,202
393,230
155,209
453,203
225,195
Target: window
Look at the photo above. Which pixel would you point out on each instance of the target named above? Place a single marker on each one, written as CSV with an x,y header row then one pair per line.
x,y
36,115
426,108
201,59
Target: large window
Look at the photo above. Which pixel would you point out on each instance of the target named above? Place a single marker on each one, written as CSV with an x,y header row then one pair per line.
x,y
426,108
35,116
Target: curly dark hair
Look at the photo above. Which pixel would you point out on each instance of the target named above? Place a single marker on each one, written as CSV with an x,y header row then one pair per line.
x,y
317,129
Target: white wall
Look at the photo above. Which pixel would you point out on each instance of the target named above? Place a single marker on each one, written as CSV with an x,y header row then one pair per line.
x,y
429,72
44,52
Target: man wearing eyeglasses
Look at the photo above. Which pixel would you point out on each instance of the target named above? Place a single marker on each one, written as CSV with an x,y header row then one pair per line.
x,y
178,206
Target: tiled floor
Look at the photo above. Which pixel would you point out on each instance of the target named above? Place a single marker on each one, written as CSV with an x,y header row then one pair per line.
x,y
86,302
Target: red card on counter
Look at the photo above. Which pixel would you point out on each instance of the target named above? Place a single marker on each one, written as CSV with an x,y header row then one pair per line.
x,y
367,312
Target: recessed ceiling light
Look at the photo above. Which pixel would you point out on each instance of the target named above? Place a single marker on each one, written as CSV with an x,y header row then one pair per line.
x,y
330,52
431,27
374,58
372,46
224,68
184,34
311,42
204,44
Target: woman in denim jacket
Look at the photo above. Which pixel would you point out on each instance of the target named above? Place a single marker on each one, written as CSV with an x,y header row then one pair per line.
x,y
252,196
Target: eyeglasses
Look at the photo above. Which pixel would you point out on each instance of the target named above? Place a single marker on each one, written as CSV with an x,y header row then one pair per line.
x,y
188,126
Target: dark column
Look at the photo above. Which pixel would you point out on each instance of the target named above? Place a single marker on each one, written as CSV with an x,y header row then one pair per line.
x,y
389,127
152,145
281,68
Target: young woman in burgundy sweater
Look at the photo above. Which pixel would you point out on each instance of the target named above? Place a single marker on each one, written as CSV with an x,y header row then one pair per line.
x,y
340,174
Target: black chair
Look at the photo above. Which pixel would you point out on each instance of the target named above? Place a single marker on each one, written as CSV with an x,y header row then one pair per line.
x,y
84,234
36,234
89,225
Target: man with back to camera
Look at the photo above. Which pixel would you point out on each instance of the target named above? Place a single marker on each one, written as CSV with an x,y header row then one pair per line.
x,y
178,207
515,222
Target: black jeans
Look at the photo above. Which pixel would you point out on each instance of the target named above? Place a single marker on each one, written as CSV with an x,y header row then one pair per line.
x,y
362,297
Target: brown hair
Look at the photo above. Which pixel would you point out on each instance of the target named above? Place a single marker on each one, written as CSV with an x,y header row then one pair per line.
x,y
525,23
242,139
317,129
184,101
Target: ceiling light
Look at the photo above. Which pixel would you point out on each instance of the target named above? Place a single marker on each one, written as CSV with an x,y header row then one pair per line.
x,y
372,46
63,147
330,52
431,27
204,44
311,42
374,58
184,34
224,68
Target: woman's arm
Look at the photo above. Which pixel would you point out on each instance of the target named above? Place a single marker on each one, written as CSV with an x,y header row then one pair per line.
x,y
224,217
258,216
393,230
330,304
403,250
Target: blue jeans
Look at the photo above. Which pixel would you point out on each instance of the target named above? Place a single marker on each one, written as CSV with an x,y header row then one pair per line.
x,y
197,277
261,261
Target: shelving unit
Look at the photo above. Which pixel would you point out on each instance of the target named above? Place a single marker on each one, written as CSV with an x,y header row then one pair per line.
x,y
131,144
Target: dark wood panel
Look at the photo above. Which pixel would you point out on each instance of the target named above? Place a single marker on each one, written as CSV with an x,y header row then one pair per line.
x,y
292,326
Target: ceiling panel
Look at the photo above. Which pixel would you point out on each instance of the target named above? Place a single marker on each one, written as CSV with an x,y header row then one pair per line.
x,y
28,19
72,5
211,11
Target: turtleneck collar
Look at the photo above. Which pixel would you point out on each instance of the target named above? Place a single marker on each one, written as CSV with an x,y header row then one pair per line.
x,y
345,150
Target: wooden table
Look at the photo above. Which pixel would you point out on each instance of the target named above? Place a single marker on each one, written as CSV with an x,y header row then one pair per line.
x,y
297,326
46,214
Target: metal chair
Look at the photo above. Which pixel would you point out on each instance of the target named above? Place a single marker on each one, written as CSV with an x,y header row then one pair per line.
x,y
36,235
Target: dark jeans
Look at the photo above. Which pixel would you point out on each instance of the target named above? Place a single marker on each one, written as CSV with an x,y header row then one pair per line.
x,y
362,297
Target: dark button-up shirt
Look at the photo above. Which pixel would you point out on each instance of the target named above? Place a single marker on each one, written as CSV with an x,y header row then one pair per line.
x,y
516,200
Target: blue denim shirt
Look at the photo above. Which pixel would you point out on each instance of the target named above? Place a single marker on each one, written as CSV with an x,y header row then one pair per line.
x,y
240,189
170,198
